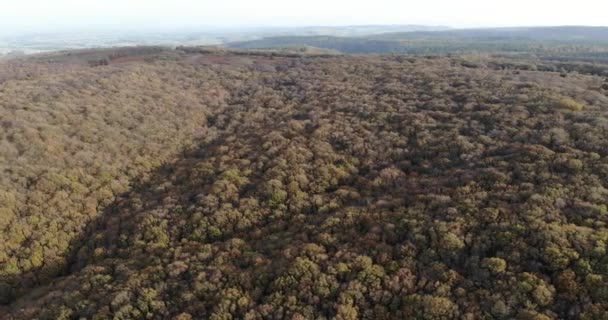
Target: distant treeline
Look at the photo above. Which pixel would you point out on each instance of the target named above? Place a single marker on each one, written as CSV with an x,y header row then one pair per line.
x,y
591,43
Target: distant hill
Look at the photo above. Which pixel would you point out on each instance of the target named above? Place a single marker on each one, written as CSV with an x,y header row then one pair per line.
x,y
450,41
45,42
348,31
562,34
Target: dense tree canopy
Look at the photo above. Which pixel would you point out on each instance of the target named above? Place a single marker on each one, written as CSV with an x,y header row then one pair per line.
x,y
240,185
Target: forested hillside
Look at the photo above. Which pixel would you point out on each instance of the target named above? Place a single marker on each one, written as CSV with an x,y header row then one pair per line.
x,y
206,184
587,42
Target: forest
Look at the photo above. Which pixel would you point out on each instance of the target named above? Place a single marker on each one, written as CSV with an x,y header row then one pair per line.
x,y
202,183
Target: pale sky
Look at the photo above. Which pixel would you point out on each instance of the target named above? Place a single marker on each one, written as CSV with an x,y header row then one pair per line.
x,y
60,15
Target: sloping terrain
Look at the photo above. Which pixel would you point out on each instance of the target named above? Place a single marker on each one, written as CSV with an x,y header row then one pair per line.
x,y
269,186
72,138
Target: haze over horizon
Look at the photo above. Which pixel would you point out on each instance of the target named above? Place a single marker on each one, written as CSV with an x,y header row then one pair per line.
x,y
162,15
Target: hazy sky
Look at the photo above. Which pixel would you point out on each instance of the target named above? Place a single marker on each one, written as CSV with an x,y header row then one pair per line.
x,y
52,15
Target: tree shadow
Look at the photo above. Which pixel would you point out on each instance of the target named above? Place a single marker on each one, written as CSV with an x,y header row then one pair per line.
x,y
148,192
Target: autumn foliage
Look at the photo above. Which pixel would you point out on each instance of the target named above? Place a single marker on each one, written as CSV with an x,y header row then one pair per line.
x,y
254,185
